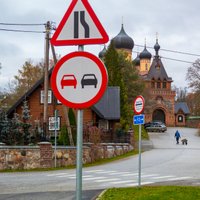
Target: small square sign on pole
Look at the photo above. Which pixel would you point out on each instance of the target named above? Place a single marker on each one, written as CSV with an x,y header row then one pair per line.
x,y
138,119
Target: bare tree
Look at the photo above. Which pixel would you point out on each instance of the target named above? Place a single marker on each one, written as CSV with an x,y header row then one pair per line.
x,y
193,76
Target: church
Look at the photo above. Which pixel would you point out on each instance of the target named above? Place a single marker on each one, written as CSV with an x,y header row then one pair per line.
x,y
159,97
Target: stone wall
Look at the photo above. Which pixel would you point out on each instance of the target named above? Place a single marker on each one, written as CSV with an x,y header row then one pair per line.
x,y
43,156
193,123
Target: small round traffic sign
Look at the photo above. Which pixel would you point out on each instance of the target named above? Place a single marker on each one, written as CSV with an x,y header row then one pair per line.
x,y
138,105
79,79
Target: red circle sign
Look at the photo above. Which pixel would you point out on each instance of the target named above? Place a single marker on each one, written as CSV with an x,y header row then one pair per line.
x,y
79,79
138,105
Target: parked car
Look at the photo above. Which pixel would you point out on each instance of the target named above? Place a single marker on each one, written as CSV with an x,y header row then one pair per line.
x,y
68,80
89,79
156,127
147,124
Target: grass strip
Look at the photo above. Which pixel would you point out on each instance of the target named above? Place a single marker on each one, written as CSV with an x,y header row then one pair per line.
x,y
153,193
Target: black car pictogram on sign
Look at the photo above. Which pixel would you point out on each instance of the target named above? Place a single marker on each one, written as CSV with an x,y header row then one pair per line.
x,y
89,79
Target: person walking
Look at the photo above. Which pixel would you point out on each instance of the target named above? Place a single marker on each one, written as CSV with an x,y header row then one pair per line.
x,y
177,136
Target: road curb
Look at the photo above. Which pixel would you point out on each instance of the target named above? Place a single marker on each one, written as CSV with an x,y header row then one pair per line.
x,y
100,195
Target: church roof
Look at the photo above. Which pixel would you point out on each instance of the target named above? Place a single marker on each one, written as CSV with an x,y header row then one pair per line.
x,y
102,52
136,61
122,40
145,54
182,106
157,71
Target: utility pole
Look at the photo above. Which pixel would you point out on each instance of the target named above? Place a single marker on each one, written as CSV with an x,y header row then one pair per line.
x,y
46,78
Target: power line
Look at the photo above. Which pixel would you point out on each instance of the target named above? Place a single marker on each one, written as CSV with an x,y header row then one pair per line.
x,y
18,30
173,51
17,24
177,60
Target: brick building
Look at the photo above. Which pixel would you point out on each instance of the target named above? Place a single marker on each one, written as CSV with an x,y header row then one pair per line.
x,y
159,96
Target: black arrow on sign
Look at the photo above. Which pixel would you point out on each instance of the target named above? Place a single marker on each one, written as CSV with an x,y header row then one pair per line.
x,y
83,23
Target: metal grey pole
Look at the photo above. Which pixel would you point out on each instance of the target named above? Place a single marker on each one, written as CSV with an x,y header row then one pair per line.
x,y
79,151
79,155
55,128
139,166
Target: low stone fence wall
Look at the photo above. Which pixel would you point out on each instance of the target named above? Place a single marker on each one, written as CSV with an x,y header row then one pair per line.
x,y
193,123
43,155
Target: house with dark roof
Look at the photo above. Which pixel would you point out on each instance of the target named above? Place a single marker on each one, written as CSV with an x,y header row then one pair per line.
x,y
104,114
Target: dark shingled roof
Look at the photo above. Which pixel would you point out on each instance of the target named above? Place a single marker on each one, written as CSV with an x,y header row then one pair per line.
x,y
157,71
109,105
182,106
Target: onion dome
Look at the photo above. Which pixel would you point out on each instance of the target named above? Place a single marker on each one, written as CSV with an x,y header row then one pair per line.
x,y
136,61
102,52
145,54
156,47
123,41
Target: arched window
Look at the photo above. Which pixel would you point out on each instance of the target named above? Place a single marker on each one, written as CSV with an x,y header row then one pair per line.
x,y
164,84
159,84
152,83
146,66
180,118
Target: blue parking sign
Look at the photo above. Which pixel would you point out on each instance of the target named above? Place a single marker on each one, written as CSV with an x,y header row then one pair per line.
x,y
138,119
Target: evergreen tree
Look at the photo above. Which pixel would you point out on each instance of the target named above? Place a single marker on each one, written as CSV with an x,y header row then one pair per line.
x,y
111,60
25,125
15,129
115,78
5,130
122,73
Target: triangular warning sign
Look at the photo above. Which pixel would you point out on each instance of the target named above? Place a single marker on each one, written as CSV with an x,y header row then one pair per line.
x,y
79,26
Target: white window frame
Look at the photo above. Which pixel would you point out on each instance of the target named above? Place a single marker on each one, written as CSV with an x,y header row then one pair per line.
x,y
42,96
52,124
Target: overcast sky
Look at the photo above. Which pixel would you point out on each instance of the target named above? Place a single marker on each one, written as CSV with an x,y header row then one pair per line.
x,y
176,21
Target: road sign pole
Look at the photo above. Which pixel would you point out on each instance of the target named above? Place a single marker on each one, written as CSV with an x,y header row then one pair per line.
x,y
79,155
55,129
79,152
139,161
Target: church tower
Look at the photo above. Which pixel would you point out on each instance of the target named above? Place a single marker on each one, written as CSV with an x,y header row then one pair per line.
x,y
145,61
161,99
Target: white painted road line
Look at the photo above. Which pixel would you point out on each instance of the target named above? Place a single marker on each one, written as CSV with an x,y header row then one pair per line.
x,y
162,177
57,174
107,172
121,182
107,180
149,175
135,174
179,178
89,171
94,178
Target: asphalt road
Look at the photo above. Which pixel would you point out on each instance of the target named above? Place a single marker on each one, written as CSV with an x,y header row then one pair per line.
x,y
167,164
